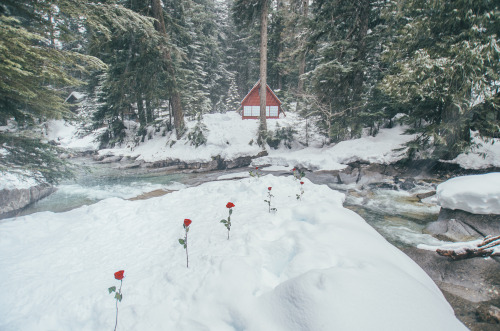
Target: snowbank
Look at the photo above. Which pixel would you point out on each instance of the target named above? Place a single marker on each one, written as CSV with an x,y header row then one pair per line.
x,y
67,136
312,265
379,149
477,194
10,180
485,155
227,135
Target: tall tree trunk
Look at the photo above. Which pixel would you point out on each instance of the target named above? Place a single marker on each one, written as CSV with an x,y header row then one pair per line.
x,y
279,77
140,110
302,64
157,12
149,111
263,73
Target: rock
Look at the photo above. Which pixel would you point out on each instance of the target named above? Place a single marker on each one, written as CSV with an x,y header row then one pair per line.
x,y
422,196
239,162
475,280
12,201
488,313
348,175
134,165
459,225
98,157
407,185
111,159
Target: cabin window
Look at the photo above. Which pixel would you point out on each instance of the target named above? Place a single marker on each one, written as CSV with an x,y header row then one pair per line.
x,y
273,112
255,110
247,111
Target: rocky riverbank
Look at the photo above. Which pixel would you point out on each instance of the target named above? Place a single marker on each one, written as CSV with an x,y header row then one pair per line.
x,y
14,200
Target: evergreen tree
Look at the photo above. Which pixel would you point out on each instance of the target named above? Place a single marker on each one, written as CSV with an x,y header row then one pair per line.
x,y
345,37
445,60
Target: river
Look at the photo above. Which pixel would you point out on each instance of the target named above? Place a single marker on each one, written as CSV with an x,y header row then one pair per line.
x,y
396,214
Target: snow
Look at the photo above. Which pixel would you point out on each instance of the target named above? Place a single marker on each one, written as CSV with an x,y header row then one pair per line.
x,y
228,136
67,136
77,95
458,246
477,194
234,175
312,265
378,149
11,180
486,155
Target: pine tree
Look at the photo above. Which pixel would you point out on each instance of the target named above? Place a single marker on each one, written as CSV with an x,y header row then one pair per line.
x,y
245,11
445,60
233,99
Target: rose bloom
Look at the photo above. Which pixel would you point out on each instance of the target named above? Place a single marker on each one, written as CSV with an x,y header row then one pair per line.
x,y
119,274
269,188
301,183
230,205
256,168
187,222
294,169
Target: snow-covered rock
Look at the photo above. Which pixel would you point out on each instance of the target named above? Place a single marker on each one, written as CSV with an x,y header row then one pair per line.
x,y
312,265
476,194
470,208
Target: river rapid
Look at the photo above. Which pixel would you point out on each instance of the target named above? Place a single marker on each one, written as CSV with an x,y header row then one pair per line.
x,y
396,214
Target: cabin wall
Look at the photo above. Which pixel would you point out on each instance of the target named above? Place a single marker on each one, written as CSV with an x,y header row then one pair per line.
x,y
251,105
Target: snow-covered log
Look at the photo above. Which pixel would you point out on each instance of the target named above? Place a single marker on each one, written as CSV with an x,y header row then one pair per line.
x,y
485,248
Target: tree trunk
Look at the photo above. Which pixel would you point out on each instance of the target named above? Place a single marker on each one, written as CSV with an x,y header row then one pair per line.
x,y
263,73
149,112
159,24
302,64
484,249
140,110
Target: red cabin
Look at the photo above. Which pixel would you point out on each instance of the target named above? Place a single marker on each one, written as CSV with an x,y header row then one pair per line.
x,y
251,104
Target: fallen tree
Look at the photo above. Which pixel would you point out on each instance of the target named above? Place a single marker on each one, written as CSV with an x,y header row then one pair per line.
x,y
484,248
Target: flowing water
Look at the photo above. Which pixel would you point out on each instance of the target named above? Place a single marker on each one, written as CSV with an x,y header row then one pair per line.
x,y
395,214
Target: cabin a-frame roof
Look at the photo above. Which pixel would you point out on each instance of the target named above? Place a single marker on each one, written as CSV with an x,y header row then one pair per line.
x,y
256,86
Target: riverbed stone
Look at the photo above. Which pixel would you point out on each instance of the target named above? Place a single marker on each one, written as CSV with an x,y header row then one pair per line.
x,y
111,159
488,313
475,280
12,201
459,225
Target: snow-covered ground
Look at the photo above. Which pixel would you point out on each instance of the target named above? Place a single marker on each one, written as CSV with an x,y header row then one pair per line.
x,y
486,154
312,265
477,194
230,137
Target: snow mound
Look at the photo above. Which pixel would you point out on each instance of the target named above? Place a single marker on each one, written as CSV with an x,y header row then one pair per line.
x,y
485,155
379,149
312,265
11,180
477,194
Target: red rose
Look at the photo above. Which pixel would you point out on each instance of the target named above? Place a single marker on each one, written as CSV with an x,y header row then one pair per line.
x,y
119,274
230,205
187,222
256,168
301,183
294,169
269,188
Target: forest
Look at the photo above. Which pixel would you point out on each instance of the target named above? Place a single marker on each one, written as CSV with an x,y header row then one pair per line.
x,y
347,66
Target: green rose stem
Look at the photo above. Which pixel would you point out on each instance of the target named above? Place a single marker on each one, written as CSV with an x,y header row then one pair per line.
x,y
269,196
184,241
118,295
227,223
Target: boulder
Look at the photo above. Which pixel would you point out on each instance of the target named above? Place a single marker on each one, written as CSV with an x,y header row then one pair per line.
x,y
459,225
12,201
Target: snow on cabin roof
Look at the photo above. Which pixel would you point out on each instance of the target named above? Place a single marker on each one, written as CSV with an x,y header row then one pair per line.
x,y
76,95
255,86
